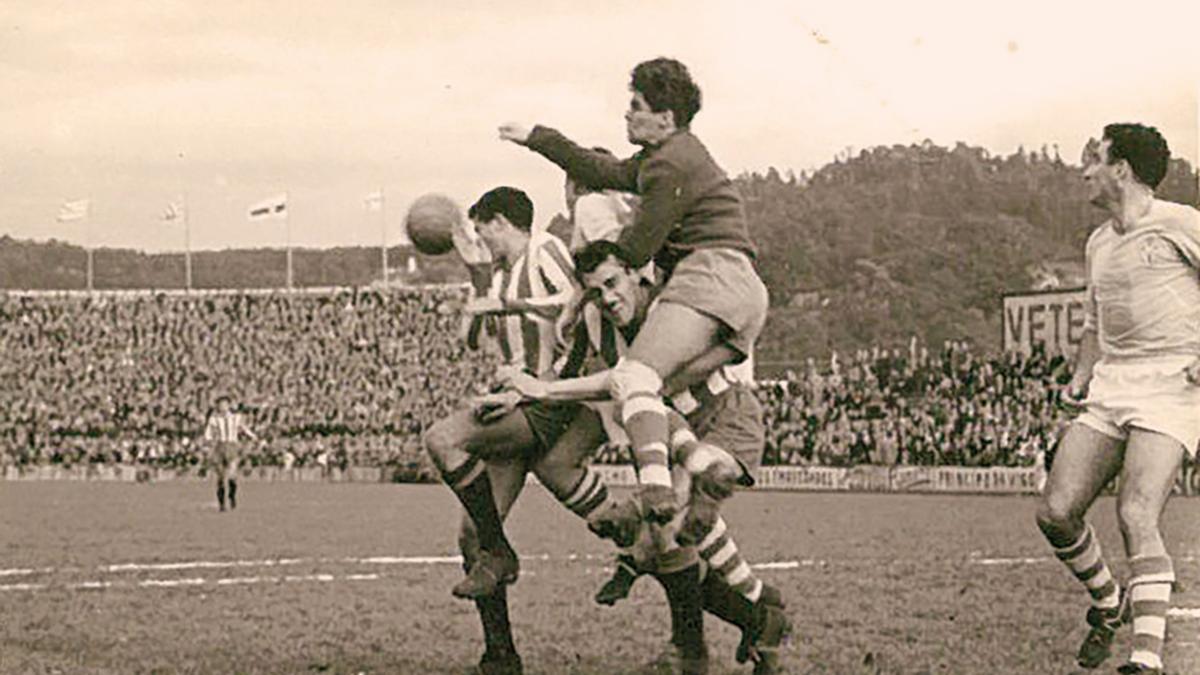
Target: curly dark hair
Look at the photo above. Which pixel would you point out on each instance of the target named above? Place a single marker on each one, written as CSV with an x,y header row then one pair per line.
x,y
595,253
512,203
1143,147
667,85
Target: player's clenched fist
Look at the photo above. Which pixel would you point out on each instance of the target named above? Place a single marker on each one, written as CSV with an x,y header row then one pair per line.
x,y
1193,372
517,133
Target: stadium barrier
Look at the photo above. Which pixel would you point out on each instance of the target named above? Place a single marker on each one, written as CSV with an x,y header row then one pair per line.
x,y
863,478
129,473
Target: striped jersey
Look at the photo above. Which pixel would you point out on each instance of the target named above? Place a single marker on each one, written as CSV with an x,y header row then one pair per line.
x,y
1143,296
543,277
227,428
596,336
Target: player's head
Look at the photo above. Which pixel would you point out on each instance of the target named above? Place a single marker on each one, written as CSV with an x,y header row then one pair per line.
x,y
500,214
1126,154
573,189
224,404
665,98
606,274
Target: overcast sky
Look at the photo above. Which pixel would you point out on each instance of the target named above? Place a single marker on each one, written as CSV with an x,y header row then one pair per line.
x,y
131,103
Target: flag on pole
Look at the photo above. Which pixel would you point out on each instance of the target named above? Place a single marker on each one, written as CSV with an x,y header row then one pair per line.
x,y
174,211
374,201
273,207
74,210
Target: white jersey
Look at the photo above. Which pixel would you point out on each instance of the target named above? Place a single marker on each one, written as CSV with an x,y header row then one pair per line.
x,y
601,215
1143,295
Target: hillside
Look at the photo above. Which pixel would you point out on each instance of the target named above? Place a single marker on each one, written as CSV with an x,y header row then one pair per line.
x,y
917,240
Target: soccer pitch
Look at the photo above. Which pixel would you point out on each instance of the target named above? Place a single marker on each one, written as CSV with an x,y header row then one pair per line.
x,y
349,578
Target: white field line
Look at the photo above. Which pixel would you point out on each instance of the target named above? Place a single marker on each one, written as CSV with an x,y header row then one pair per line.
x,y
24,571
976,560
319,577
171,583
199,564
310,577
115,568
1009,561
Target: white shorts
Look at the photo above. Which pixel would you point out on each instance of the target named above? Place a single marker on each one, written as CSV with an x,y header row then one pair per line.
x,y
1151,393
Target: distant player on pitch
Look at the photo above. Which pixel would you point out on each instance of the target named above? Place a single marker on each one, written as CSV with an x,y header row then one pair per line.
x,y
1137,382
223,432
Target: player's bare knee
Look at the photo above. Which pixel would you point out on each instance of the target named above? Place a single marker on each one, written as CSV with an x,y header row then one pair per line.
x,y
440,441
1056,516
1138,517
633,377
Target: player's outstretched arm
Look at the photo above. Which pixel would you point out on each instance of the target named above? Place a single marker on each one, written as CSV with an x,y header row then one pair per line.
x,y
596,170
588,388
595,387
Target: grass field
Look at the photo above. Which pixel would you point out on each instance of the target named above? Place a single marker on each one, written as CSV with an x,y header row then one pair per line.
x,y
305,578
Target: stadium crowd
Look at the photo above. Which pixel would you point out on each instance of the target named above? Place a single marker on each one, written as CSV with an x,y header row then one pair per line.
x,y
351,377
888,407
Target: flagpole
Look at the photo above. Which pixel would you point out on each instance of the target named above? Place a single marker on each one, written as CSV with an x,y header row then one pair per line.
x,y
87,238
383,233
187,244
287,226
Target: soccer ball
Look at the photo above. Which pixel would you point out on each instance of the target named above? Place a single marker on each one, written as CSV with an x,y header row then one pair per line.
x,y
430,222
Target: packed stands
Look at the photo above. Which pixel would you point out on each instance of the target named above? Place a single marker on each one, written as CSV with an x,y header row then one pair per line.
x,y
339,377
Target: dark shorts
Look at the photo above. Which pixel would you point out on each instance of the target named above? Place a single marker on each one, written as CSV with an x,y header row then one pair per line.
x,y
548,421
733,422
722,283
225,456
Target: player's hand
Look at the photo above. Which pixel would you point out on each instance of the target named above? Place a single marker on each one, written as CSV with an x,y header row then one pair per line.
x,y
1192,372
469,245
484,306
527,386
658,502
491,407
517,133
1074,394
564,325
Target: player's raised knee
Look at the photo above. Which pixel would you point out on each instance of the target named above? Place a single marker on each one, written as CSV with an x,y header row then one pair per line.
x,y
630,378
440,441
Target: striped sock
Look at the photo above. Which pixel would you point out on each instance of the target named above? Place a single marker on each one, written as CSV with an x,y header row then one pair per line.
x,y
644,417
636,387
1086,562
721,553
587,495
1150,594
